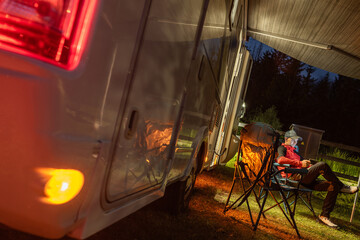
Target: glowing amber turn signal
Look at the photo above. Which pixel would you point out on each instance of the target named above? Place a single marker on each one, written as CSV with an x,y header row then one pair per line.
x,y
63,185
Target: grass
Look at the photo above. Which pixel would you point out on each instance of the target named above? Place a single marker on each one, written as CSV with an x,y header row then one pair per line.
x,y
306,222
308,227
340,167
344,201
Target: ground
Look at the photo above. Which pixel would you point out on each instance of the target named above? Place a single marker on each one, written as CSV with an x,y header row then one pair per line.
x,y
205,220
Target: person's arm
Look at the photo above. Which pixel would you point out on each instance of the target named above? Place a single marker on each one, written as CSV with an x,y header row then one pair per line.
x,y
305,162
297,152
284,160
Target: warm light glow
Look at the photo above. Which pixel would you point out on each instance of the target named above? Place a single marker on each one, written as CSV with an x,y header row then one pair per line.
x,y
158,138
62,184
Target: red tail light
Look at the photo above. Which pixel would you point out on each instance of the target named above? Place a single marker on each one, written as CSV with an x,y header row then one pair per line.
x,y
54,31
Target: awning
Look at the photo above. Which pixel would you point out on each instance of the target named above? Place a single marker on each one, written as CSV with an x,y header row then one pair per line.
x,y
321,33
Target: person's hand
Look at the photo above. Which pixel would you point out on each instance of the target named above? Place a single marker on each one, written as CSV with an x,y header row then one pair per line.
x,y
305,163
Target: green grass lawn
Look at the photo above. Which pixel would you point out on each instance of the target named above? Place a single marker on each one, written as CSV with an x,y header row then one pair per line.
x,y
308,226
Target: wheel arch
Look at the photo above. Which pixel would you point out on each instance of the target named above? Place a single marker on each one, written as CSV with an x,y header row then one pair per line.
x,y
200,146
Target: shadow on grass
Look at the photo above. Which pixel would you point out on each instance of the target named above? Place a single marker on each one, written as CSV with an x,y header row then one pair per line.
x,y
308,223
346,226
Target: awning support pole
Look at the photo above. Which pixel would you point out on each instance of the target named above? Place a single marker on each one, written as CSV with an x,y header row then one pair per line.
x,y
355,200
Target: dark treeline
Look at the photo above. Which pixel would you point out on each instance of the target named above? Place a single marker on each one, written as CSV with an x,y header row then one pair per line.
x,y
301,98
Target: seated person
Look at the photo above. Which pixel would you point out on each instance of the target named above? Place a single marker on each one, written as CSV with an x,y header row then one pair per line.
x,y
287,154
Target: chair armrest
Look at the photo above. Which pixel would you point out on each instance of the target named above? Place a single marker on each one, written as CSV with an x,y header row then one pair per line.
x,y
296,170
281,165
288,168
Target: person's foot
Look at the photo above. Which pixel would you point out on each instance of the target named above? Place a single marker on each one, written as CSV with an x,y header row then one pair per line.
x,y
349,189
327,222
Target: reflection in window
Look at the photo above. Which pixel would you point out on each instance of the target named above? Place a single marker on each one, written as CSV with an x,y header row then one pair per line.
x,y
233,12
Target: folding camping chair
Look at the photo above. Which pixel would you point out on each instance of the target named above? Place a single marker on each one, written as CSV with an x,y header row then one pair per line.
x,y
243,174
305,194
255,152
255,166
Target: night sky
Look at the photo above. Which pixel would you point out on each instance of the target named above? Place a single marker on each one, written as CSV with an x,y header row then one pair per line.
x,y
337,113
253,44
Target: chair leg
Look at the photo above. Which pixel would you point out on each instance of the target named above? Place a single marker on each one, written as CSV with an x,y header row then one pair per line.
x,y
231,189
237,176
257,198
246,192
278,204
249,210
261,210
308,196
228,198
287,197
291,212
307,202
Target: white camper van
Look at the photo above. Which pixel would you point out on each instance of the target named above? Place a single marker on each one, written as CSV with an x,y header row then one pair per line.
x,y
105,105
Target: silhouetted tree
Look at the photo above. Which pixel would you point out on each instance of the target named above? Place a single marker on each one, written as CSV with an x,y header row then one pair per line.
x,y
301,98
263,73
308,81
344,115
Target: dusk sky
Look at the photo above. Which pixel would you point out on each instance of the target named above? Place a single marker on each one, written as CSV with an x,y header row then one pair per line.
x,y
330,106
253,44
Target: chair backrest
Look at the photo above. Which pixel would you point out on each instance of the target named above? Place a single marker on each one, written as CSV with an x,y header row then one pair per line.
x,y
257,140
258,134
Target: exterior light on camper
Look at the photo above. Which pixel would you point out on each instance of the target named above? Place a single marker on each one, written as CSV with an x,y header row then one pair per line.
x,y
62,184
53,31
242,110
